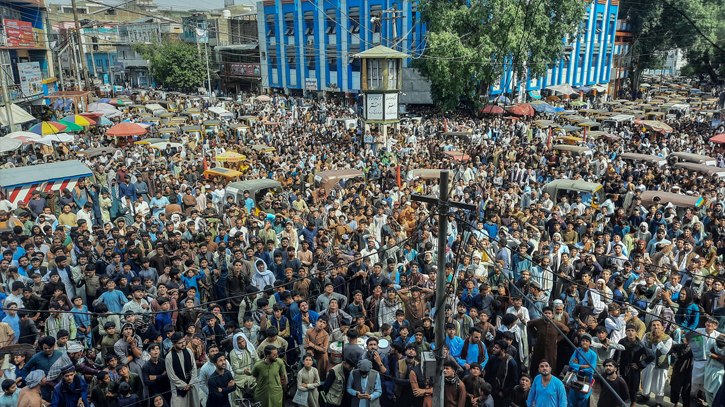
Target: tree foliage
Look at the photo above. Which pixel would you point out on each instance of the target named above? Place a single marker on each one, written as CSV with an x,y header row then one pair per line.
x,y
470,43
659,26
174,63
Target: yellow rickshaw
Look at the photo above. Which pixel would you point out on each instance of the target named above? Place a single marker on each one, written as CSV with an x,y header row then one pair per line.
x,y
168,132
165,118
178,120
193,131
211,127
248,120
169,105
261,148
227,173
655,116
240,131
193,114
137,109
153,120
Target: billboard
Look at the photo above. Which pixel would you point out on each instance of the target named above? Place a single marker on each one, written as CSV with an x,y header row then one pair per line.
x,y
240,69
19,33
31,78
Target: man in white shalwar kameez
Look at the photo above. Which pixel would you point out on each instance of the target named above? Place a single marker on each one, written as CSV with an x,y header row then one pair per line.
x,y
181,368
701,355
654,378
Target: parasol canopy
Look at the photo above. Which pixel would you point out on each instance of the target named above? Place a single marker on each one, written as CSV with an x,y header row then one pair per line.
x,y
79,120
70,126
230,156
264,98
9,144
564,88
492,109
523,109
45,128
718,138
100,106
126,129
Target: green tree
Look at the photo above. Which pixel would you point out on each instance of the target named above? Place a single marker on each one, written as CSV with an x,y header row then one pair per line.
x,y
174,63
469,44
660,26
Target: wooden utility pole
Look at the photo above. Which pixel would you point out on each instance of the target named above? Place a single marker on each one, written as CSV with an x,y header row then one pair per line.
x,y
79,42
440,313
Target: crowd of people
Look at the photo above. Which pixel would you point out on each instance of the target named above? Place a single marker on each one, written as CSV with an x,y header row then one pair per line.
x,y
147,285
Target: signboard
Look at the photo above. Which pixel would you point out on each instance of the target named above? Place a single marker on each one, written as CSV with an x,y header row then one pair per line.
x,y
374,106
19,33
311,83
240,69
391,106
31,78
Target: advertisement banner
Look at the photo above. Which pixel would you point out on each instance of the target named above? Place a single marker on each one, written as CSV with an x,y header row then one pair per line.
x,y
241,69
19,33
31,78
311,83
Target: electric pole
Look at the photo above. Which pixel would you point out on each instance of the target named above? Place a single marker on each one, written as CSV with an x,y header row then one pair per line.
x,y
396,15
440,314
8,102
79,42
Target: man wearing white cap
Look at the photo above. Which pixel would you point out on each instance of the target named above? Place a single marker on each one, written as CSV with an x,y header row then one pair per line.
x,y
30,395
75,353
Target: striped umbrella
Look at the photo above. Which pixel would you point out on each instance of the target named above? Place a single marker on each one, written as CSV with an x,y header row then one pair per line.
x,y
70,126
45,128
79,120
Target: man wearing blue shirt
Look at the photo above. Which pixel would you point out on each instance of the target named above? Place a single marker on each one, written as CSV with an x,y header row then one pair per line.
x,y
364,385
546,390
455,344
13,320
115,300
473,351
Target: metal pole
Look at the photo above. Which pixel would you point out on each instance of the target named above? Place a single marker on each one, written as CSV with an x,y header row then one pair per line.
x,y
208,76
75,63
440,316
6,99
80,46
93,63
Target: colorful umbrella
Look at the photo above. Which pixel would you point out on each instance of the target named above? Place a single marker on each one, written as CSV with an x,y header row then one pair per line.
x,y
230,156
70,126
104,100
523,109
79,120
92,115
27,137
492,109
117,102
45,128
126,130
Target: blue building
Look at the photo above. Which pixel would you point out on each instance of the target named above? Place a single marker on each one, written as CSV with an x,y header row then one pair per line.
x,y
588,58
305,46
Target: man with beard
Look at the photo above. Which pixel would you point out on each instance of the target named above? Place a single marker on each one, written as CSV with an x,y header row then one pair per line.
x,y
502,372
270,374
608,398
182,373
546,335
419,391
335,383
634,358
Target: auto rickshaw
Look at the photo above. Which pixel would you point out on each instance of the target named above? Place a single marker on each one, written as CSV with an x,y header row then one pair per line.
x,y
258,189
168,132
178,120
227,173
248,120
169,105
137,109
211,127
193,132
165,117
259,148
240,132
193,114
590,191
328,179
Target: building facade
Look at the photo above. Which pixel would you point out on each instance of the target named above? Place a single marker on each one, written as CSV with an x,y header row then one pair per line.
x,y
25,55
674,61
134,69
622,64
587,58
307,47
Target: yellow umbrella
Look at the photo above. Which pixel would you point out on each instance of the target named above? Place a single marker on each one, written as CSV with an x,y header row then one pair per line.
x,y
230,156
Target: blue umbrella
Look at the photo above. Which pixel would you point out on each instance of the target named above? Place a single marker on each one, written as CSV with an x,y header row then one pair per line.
x,y
104,100
502,99
102,121
544,108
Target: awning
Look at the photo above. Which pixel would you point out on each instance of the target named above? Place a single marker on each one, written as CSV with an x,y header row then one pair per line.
x,y
535,94
19,115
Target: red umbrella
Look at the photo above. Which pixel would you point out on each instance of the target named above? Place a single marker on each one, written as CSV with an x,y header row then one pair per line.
x,y
492,109
720,138
92,115
523,109
126,129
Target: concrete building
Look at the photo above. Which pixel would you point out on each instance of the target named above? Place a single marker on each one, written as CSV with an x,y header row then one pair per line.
x,y
674,61
239,67
25,55
307,47
622,64
133,67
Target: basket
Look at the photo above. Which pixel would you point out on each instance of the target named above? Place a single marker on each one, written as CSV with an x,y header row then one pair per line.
x,y
577,382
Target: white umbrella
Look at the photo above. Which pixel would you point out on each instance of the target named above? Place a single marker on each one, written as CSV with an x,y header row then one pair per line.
x,y
564,88
264,98
9,144
100,106
60,137
27,137
645,85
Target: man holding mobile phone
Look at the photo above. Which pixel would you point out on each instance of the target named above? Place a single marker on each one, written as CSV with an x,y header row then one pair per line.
x,y
364,385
